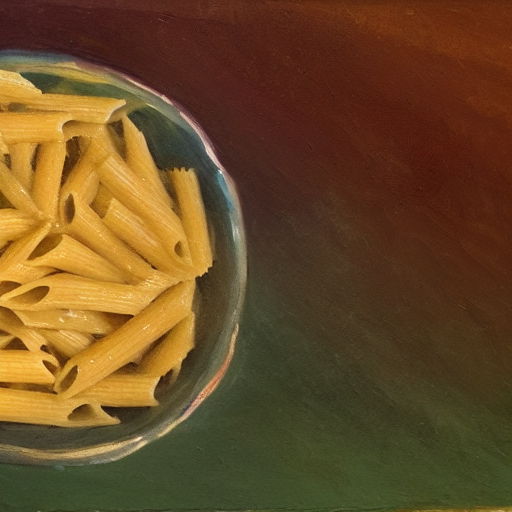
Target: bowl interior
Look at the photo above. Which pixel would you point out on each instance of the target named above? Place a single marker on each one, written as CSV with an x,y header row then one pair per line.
x,y
174,140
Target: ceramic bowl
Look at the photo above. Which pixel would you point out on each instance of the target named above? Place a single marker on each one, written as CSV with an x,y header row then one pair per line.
x,y
175,140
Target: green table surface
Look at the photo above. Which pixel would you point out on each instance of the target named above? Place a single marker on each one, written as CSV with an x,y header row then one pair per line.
x,y
371,143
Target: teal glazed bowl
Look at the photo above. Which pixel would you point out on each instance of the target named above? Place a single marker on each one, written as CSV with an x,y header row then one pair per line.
x,y
175,140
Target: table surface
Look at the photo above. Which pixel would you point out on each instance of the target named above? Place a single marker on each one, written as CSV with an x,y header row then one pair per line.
x,y
371,143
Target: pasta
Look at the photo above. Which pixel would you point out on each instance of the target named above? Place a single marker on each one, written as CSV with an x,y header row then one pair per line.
x,y
98,260
22,155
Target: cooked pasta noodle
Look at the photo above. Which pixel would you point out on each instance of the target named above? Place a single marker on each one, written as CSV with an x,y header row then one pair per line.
x,y
98,260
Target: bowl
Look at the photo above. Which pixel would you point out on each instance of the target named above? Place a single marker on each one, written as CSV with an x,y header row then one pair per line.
x,y
175,139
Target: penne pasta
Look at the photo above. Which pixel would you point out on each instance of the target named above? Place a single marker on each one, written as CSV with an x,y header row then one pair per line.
x,y
32,127
15,224
102,201
5,339
129,189
141,162
85,225
120,347
28,367
60,291
15,192
82,181
47,177
169,353
22,155
130,228
123,390
15,88
20,250
97,260
22,274
11,324
65,253
188,193
87,109
47,409
93,322
65,342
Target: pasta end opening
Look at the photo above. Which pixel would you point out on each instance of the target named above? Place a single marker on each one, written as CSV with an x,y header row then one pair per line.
x,y
30,297
45,246
69,209
69,379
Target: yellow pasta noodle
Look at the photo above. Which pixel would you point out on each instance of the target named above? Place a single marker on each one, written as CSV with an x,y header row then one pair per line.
x,y
60,290
82,181
93,322
16,193
130,228
15,223
47,177
84,224
20,250
129,189
172,350
88,109
41,408
21,273
98,261
22,155
186,187
123,390
32,127
15,88
120,347
65,253
139,159
26,366
65,342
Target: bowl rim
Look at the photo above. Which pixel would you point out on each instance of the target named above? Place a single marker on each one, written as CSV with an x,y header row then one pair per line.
x,y
99,453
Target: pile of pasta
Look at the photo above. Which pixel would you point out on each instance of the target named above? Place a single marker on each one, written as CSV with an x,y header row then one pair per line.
x,y
99,253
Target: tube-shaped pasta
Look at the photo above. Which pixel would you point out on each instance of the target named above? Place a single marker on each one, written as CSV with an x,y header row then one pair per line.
x,y
32,126
102,201
172,350
15,223
188,193
82,180
41,408
47,177
123,390
15,192
139,159
130,190
25,366
88,109
5,339
85,225
76,292
120,347
65,253
66,343
130,228
22,155
93,322
15,88
91,133
11,324
21,273
21,249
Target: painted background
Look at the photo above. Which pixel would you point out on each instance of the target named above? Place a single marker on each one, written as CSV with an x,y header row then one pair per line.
x,y
372,146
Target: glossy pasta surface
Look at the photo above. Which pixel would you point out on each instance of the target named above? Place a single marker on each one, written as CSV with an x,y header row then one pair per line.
x,y
98,260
